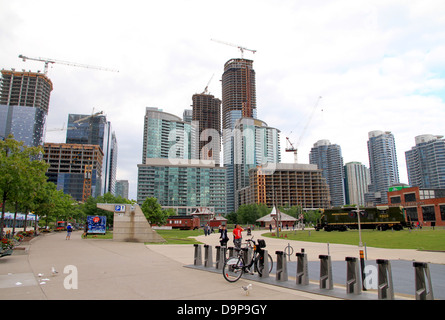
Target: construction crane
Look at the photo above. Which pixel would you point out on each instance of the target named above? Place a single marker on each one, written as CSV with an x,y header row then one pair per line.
x,y
207,86
294,148
47,61
61,129
241,48
88,117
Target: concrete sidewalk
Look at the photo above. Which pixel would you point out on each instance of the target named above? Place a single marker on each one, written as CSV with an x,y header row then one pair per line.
x,y
109,270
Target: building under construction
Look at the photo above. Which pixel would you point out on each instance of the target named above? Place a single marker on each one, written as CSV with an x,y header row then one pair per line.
x,y
238,101
238,91
76,169
287,184
24,104
26,89
207,112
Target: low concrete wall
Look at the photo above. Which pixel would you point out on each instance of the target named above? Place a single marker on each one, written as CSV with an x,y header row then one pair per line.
x,y
130,223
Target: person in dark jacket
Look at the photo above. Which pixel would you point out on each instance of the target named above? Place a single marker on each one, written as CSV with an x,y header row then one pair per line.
x,y
224,238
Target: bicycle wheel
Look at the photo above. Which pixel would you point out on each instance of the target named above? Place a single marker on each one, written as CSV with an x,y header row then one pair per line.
x,y
233,269
259,265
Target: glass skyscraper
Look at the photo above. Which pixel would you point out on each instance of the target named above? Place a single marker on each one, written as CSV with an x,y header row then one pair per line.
x,y
255,143
383,166
425,162
96,130
328,158
356,183
168,172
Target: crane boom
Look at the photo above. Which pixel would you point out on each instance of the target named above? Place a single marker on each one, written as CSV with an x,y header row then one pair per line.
x,y
241,48
47,61
290,147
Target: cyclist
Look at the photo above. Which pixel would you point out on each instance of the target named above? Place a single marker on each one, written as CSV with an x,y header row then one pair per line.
x,y
237,237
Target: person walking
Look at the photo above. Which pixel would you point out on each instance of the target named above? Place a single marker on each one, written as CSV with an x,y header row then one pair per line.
x,y
237,236
85,232
69,229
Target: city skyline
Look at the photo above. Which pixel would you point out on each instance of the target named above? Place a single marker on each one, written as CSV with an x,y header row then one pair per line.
x,y
378,66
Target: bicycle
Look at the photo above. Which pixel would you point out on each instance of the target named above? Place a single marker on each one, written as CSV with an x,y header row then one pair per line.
x,y
235,266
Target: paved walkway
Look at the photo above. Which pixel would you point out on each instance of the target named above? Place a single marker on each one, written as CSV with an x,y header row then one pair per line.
x,y
118,270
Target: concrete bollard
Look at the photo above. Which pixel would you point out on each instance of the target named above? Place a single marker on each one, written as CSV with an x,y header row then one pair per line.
x,y
221,257
218,263
208,259
302,269
385,287
197,261
352,276
281,273
423,292
265,273
247,255
326,281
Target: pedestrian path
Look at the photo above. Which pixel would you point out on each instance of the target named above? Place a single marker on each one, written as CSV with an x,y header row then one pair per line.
x,y
109,270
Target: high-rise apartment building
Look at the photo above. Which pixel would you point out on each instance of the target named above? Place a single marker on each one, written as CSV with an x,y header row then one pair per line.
x,y
255,143
328,158
183,185
165,136
383,166
207,117
170,174
96,130
238,101
425,162
356,183
24,104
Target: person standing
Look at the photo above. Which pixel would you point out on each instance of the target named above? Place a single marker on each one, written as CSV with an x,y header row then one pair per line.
x,y
237,236
224,238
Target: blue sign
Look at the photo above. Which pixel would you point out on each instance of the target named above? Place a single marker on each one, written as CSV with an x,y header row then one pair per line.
x,y
97,224
119,208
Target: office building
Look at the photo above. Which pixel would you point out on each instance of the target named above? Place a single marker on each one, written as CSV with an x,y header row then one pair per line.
x,y
76,169
328,158
383,166
425,162
206,115
287,184
357,180
183,185
24,104
96,130
238,101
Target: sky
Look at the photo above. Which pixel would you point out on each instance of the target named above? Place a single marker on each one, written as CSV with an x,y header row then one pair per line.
x,y
377,65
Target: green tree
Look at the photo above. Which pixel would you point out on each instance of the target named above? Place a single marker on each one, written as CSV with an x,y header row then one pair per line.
x,y
153,212
19,168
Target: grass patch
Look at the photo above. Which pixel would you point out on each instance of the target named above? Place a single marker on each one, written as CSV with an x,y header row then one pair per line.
x,y
175,236
423,239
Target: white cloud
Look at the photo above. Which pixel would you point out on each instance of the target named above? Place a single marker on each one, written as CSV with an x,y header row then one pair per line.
x,y
377,64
